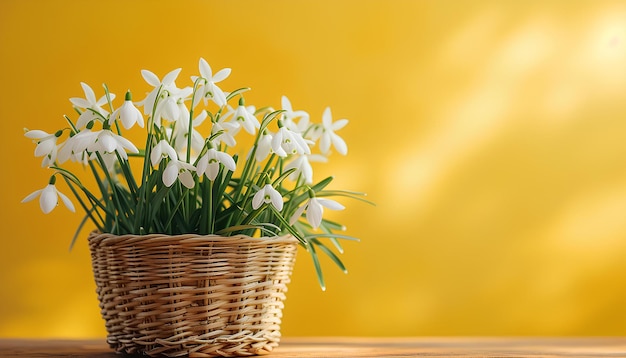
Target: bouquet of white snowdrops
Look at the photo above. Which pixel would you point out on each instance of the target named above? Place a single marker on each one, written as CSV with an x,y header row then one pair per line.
x,y
188,181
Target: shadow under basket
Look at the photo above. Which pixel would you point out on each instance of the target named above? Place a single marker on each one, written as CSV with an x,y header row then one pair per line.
x,y
192,295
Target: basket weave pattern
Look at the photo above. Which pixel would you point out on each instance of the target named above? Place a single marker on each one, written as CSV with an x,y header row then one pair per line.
x,y
192,295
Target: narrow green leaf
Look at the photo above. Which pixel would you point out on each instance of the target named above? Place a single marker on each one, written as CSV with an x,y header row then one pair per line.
x,y
330,254
318,267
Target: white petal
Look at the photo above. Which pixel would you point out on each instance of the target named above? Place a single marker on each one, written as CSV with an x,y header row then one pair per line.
x,y
89,94
48,199
187,179
171,152
66,201
155,155
125,143
339,124
221,74
277,200
170,174
327,118
103,100
200,118
227,160
218,96
107,142
331,204
151,78
44,147
205,69
325,143
307,171
339,144
202,165
302,144
85,117
296,215
32,196
80,102
277,144
258,199
285,103
171,77
36,134
314,213
213,169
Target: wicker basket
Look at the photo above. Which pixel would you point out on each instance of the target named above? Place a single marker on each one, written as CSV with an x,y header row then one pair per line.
x,y
191,295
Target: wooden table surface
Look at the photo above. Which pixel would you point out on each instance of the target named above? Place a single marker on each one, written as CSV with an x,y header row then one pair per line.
x,y
329,347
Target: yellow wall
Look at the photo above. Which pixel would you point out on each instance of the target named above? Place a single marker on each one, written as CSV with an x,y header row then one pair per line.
x,y
491,134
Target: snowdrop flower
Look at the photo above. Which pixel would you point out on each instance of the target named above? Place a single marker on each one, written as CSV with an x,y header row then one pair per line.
x,y
181,133
162,150
172,106
267,195
108,142
245,117
166,85
228,129
287,142
46,145
290,115
171,99
102,141
177,169
209,164
127,113
314,210
303,166
208,88
327,133
90,106
49,198
264,146
74,147
110,159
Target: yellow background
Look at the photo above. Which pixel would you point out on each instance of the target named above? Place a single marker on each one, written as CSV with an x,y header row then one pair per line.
x,y
491,135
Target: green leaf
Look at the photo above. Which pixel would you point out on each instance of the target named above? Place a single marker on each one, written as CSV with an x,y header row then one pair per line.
x,y
329,235
318,267
330,254
236,93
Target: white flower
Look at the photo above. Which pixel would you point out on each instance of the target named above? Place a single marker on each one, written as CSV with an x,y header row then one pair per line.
x,y
229,131
303,166
181,133
153,80
328,136
46,146
181,170
110,159
49,198
208,88
108,142
287,142
162,150
245,117
314,210
267,195
290,115
264,146
128,114
102,141
209,164
170,98
90,106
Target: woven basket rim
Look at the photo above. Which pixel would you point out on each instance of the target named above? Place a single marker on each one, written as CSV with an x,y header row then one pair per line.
x,y
111,239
